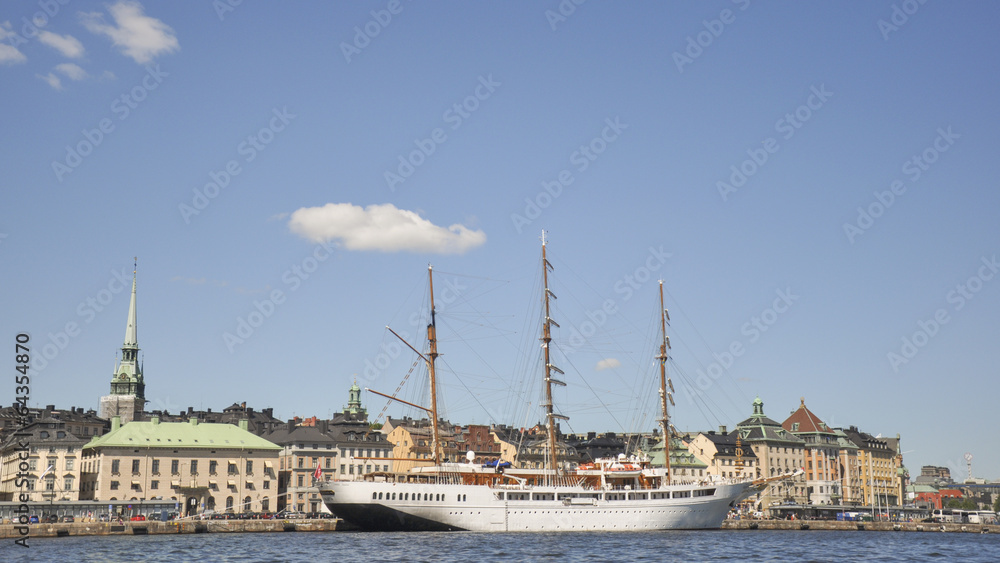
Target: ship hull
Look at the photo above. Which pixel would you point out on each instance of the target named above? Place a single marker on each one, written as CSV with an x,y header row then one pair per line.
x,y
480,508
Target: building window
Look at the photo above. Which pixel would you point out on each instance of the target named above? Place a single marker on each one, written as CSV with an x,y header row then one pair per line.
x,y
154,484
246,504
68,484
328,463
213,467
194,467
342,467
249,467
33,465
231,468
135,487
315,462
69,464
301,461
229,504
156,467
135,466
300,480
115,466
114,485
267,484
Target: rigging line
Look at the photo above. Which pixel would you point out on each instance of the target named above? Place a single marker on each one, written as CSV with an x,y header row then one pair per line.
x,y
705,342
702,397
396,392
596,395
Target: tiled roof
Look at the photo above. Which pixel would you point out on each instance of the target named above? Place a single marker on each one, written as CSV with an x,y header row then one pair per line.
x,y
804,421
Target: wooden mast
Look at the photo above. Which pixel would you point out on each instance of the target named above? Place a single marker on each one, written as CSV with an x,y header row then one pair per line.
x,y
664,394
550,415
431,356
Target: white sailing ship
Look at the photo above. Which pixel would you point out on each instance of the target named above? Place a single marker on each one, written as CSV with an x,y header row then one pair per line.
x,y
617,494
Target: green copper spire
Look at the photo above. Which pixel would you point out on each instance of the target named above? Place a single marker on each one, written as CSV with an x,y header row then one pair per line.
x,y
354,398
127,379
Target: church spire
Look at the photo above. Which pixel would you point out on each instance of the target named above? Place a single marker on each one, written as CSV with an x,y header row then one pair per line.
x,y
128,389
130,332
127,379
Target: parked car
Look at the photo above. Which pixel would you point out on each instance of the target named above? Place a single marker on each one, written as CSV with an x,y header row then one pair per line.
x,y
33,519
68,518
51,518
138,518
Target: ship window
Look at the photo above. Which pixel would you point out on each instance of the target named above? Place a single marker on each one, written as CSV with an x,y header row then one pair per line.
x,y
374,496
393,496
380,496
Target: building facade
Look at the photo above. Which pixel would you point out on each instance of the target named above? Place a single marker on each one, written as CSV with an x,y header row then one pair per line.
x,y
778,452
822,455
724,455
52,454
200,466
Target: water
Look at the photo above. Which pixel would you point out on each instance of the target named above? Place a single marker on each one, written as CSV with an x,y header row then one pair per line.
x,y
756,545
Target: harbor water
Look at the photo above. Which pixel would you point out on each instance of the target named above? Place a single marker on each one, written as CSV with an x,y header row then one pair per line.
x,y
719,545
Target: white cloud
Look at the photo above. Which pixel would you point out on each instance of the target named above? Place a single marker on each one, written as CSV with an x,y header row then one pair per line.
x,y
52,79
9,54
136,34
72,71
607,363
68,45
381,227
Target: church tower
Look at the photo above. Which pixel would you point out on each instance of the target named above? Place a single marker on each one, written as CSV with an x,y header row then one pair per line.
x,y
128,389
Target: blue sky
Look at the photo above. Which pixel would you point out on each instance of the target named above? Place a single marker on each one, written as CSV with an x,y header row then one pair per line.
x,y
810,180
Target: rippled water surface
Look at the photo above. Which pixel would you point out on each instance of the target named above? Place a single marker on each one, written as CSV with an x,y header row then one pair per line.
x,y
462,546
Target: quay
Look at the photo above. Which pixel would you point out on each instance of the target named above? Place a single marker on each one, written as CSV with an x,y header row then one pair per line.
x,y
860,526
9,531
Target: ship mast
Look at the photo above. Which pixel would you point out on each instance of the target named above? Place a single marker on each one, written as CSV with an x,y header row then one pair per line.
x,y
431,356
550,416
664,381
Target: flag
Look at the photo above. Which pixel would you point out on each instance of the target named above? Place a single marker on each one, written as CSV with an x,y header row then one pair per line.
x,y
318,474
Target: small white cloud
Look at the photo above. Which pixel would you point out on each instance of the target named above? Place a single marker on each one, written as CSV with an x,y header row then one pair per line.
x,y
72,71
137,35
381,227
108,75
52,79
607,363
68,45
9,54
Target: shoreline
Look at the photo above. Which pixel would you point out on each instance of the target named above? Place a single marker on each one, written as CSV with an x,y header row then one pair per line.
x,y
9,531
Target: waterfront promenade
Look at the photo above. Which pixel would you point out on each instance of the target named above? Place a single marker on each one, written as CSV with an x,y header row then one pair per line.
x,y
332,525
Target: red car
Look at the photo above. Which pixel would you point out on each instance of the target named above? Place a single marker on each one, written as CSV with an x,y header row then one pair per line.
x,y
138,518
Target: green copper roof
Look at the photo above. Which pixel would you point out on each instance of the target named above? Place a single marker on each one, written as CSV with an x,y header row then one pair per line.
x,y
181,435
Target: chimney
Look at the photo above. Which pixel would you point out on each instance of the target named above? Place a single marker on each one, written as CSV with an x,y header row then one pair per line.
x,y
722,430
190,410
324,426
243,424
193,420
116,423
